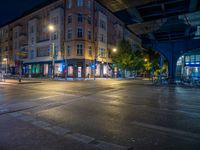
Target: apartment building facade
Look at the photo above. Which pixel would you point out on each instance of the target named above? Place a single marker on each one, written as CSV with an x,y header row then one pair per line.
x,y
80,46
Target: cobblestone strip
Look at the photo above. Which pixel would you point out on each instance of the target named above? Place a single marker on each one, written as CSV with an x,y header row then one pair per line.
x,y
60,131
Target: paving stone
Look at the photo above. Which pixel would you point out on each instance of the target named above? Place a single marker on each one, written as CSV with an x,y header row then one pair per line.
x,y
109,146
82,138
40,124
3,110
58,130
26,118
16,114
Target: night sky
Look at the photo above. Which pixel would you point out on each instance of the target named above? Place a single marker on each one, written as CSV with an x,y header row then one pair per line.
x,y
10,9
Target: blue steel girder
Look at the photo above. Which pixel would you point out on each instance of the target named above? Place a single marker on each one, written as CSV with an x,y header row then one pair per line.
x,y
172,50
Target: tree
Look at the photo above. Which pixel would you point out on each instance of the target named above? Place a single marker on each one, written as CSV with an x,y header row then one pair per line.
x,y
126,58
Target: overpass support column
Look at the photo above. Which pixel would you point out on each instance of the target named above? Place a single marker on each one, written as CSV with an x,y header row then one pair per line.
x,y
172,70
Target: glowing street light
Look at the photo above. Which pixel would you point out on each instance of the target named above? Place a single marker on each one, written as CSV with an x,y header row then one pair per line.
x,y
145,59
114,50
52,29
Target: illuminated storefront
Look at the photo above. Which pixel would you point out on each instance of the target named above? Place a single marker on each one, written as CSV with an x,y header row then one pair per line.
x,y
189,65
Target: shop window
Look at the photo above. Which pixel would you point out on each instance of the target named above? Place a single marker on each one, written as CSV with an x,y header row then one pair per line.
x,y
46,69
104,69
70,71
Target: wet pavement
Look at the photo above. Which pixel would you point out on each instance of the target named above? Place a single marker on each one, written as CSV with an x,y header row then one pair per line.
x,y
126,114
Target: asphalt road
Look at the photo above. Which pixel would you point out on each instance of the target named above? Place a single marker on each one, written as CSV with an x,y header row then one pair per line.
x,y
105,114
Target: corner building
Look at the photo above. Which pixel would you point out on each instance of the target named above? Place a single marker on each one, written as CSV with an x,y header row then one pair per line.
x,y
85,33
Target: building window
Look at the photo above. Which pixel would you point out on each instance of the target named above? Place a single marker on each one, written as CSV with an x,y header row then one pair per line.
x,y
55,20
69,19
69,34
69,4
42,52
80,33
54,36
102,52
90,50
32,40
32,54
187,59
79,3
79,50
80,17
89,35
89,4
197,58
68,50
31,29
16,35
102,24
55,51
89,20
15,45
101,37
192,58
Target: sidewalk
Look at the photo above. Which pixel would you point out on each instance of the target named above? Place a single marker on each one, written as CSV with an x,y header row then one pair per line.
x,y
15,81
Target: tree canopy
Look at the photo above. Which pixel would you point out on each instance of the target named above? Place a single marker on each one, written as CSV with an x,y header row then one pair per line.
x,y
126,57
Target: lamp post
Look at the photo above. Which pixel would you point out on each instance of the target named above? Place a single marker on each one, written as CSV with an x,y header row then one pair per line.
x,y
6,60
51,30
114,50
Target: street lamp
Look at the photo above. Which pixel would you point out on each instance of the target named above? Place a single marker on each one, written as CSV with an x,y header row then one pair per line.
x,y
6,60
145,59
114,50
51,30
